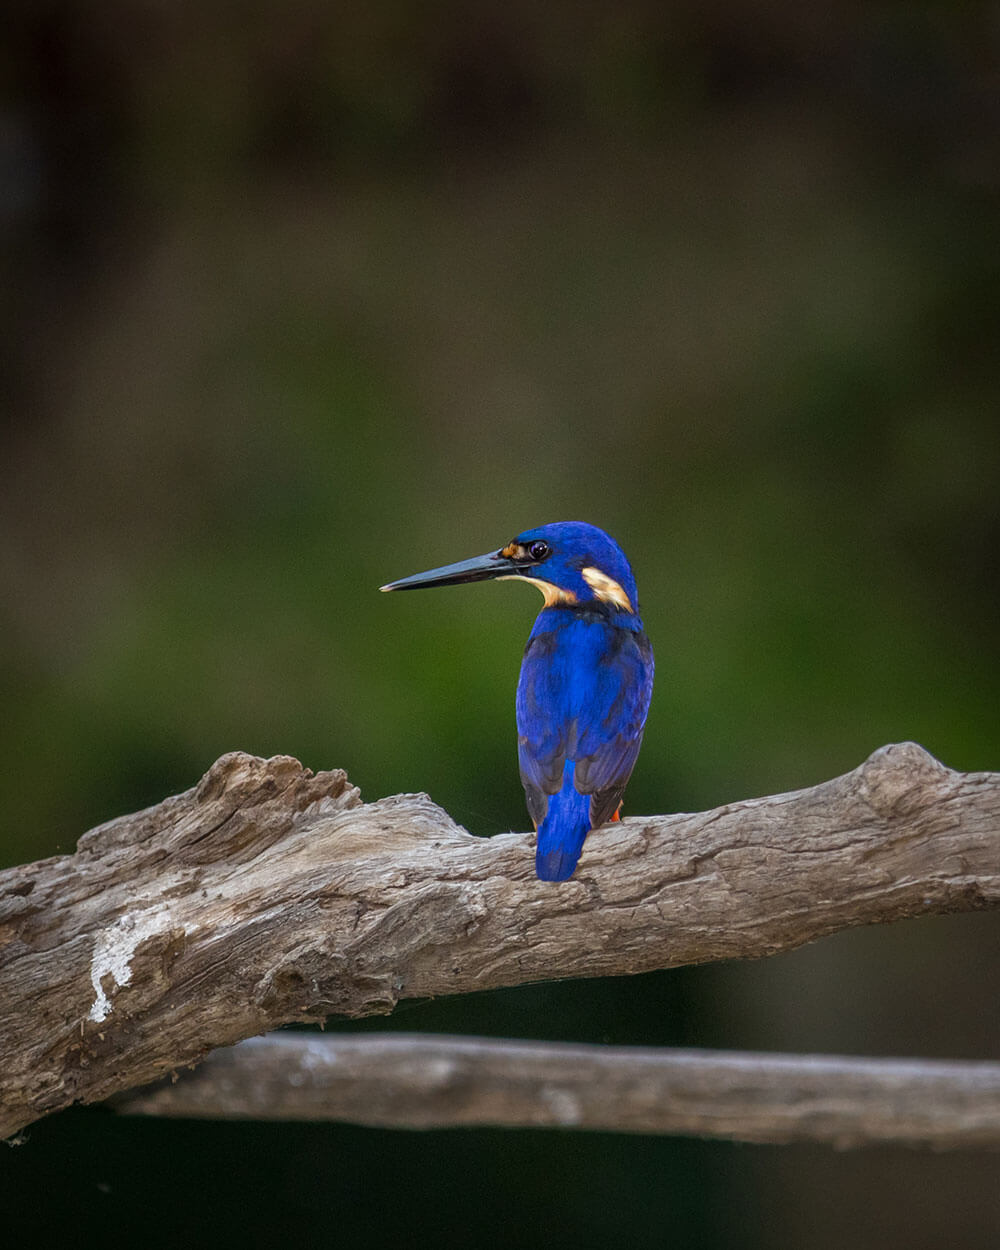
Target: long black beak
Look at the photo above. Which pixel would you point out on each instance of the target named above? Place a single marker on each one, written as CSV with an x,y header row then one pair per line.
x,y
478,569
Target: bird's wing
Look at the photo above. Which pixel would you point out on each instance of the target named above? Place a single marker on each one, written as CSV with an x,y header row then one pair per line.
x,y
608,745
541,724
583,696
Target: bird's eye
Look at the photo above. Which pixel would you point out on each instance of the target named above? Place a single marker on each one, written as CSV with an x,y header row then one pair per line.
x,y
538,550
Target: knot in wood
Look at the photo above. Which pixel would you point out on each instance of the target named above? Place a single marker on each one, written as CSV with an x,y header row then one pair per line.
x,y
900,779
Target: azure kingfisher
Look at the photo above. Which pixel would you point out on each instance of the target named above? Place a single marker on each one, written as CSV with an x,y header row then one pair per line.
x,y
586,679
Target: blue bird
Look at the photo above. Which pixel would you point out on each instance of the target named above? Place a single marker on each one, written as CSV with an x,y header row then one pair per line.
x,y
586,679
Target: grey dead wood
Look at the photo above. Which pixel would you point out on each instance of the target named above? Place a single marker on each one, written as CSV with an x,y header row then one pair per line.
x,y
394,1080
269,894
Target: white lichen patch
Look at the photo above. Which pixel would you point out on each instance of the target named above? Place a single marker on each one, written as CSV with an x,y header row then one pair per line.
x,y
564,1106
114,949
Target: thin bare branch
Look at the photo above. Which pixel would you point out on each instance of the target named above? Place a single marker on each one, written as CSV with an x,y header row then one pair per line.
x,y
269,894
398,1080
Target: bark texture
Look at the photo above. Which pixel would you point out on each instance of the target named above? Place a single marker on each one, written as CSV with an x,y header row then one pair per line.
x,y
396,1080
269,894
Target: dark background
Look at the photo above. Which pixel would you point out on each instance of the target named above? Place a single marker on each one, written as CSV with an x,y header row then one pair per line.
x,y
297,299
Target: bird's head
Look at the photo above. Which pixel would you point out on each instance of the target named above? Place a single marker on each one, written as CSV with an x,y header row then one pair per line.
x,y
569,561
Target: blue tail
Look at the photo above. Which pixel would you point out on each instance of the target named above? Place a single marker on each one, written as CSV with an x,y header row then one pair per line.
x,y
561,833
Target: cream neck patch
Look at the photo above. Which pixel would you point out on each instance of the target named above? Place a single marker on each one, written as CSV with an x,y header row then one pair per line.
x,y
606,588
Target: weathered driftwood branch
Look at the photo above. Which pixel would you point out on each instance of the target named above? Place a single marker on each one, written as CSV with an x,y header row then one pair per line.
x,y
269,894
396,1080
